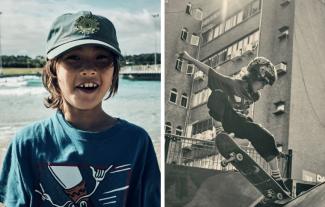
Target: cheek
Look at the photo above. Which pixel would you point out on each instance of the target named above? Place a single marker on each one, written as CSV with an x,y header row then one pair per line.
x,y
109,76
63,79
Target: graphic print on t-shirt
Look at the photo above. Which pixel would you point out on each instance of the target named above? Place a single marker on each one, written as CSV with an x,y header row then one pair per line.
x,y
74,186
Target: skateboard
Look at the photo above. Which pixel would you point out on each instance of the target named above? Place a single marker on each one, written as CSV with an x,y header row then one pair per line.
x,y
272,191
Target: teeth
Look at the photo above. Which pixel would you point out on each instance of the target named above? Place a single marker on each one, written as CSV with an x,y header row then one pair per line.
x,y
88,85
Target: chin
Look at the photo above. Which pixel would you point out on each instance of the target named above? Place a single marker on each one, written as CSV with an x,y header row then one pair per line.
x,y
85,107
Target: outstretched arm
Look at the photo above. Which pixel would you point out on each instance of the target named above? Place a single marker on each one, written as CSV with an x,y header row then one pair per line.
x,y
200,65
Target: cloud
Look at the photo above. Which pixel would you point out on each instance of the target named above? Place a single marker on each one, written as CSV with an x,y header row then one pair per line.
x,y
25,24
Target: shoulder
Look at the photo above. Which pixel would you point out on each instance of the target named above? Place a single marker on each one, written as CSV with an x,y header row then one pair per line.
x,y
240,83
34,131
133,129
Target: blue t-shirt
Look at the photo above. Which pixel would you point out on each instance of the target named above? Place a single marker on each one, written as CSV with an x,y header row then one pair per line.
x,y
51,163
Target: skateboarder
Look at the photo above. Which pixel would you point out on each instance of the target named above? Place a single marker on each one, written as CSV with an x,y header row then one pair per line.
x,y
230,100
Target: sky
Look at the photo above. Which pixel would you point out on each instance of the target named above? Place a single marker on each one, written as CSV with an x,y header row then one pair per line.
x,y
24,24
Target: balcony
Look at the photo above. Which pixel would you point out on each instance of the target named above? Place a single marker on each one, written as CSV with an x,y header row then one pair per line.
x,y
281,68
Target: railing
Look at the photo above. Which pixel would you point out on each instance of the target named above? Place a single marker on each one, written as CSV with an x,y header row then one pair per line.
x,y
140,69
204,154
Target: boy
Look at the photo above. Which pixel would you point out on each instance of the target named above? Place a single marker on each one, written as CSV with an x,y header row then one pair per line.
x,y
81,156
230,100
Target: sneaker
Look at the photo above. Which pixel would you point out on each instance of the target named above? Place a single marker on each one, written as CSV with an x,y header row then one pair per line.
x,y
283,155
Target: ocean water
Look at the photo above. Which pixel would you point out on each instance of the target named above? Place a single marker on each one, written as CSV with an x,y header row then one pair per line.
x,y
21,103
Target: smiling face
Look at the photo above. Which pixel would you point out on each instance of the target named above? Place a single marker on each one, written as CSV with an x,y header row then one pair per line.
x,y
85,76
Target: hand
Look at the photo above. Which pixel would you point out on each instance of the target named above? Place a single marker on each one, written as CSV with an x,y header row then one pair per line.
x,y
98,174
185,56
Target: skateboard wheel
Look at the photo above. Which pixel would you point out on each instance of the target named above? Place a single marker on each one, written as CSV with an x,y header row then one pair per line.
x,y
239,157
279,196
224,163
264,201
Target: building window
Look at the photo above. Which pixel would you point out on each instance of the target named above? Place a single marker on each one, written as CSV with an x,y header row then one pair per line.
x,y
240,17
184,100
210,35
201,97
179,64
216,32
198,14
195,39
240,46
284,2
284,32
230,51
214,61
179,131
223,56
202,126
205,37
221,28
173,95
279,107
188,8
255,37
168,127
255,7
184,34
228,24
190,69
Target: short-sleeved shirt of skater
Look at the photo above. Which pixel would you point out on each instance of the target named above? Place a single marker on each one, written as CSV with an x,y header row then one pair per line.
x,y
236,90
51,163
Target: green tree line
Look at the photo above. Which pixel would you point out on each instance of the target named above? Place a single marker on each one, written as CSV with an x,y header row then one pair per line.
x,y
23,61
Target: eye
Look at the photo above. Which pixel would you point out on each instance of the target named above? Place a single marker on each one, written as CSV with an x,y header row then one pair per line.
x,y
72,58
104,60
103,57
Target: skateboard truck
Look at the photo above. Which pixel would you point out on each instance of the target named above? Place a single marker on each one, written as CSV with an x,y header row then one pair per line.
x,y
270,195
233,157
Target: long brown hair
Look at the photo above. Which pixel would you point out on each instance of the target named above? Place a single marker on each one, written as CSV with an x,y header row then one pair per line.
x,y
50,82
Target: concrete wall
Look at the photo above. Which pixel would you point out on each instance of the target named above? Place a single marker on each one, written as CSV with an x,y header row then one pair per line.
x,y
176,19
275,16
307,113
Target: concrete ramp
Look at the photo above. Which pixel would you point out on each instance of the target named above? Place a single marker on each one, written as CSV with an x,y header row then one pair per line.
x,y
195,187
315,197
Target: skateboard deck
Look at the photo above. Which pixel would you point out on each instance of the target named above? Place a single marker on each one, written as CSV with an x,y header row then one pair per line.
x,y
272,191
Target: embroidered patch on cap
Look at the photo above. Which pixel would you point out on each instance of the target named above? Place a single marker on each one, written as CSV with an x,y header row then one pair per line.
x,y
87,24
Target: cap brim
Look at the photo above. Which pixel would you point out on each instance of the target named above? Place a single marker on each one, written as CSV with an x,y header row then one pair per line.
x,y
68,46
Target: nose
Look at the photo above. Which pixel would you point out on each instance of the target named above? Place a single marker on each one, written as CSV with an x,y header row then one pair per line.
x,y
88,72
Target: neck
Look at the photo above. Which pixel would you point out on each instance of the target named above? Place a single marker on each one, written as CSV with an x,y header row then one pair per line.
x,y
88,120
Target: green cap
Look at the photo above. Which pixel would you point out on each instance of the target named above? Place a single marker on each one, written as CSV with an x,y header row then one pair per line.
x,y
72,30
